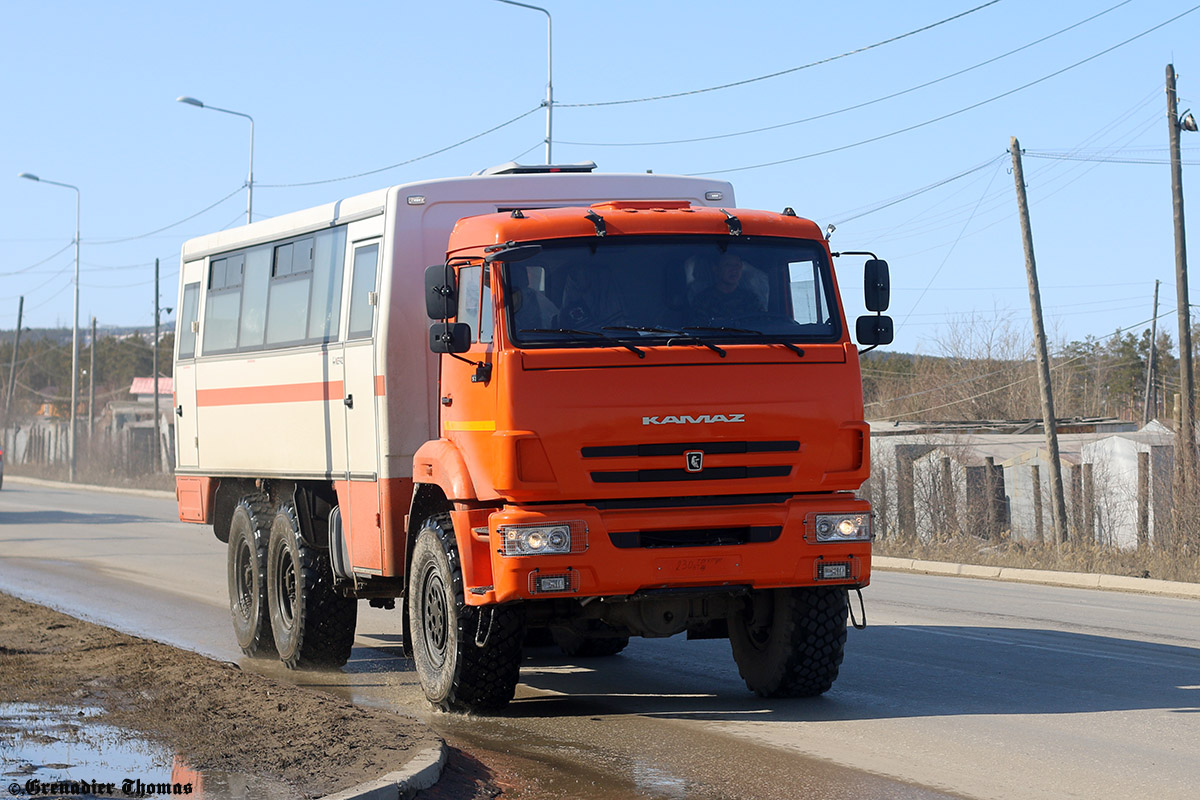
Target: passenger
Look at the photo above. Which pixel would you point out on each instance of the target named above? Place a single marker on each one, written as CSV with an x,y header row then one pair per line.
x,y
530,307
727,298
591,300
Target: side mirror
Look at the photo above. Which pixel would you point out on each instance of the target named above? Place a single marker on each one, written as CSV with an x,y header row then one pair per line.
x,y
877,286
874,331
450,337
441,292
511,254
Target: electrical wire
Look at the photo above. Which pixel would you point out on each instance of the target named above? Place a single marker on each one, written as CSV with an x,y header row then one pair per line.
x,y
946,116
856,106
403,163
53,255
166,227
781,72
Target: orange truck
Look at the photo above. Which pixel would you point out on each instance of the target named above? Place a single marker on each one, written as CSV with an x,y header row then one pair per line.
x,y
615,406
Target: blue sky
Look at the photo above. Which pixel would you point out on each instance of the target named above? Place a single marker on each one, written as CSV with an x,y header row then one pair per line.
x,y
340,89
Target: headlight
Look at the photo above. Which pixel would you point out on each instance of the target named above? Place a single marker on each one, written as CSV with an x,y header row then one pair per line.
x,y
535,540
842,527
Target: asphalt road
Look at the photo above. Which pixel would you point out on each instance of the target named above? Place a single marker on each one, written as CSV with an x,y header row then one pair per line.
x,y
959,687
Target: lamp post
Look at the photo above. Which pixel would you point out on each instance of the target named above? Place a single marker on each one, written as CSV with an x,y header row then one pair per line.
x,y
74,329
191,101
549,74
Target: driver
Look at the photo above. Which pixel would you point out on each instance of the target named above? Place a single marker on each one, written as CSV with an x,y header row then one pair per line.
x,y
727,298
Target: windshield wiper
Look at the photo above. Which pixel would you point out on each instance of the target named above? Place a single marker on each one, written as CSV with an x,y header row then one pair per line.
x,y
579,332
761,334
676,336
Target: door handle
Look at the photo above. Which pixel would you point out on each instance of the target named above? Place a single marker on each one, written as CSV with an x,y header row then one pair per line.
x,y
179,411
349,401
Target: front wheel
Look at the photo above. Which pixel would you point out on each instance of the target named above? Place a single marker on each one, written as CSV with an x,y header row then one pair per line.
x,y
468,658
313,624
790,642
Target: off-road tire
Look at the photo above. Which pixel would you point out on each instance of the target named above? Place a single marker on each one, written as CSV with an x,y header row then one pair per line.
x,y
576,645
312,622
249,530
456,673
790,642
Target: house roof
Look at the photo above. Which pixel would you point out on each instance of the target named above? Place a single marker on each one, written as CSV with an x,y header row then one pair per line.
x,y
146,386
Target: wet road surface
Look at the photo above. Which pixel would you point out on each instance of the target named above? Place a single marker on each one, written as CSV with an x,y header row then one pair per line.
x,y
965,687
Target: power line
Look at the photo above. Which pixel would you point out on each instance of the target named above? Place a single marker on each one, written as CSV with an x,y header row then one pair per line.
x,y
963,110
856,106
403,163
166,227
781,72
53,255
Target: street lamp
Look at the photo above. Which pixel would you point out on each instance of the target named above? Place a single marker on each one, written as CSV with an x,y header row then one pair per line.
x,y
191,101
74,329
549,74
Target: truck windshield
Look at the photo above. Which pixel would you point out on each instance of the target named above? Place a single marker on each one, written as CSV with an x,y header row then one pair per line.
x,y
676,289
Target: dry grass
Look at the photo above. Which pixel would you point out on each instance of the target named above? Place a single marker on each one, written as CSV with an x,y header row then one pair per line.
x,y
1071,557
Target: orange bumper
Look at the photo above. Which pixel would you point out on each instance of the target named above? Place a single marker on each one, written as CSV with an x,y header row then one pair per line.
x,y
621,552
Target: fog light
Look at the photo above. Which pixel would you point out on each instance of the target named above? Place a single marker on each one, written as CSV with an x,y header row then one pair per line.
x,y
842,527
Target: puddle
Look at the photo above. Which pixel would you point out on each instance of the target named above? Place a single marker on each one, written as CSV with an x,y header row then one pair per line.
x,y
67,752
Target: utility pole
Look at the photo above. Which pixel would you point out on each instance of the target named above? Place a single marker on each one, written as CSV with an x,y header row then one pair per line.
x,y
157,431
12,372
1151,401
92,389
1058,506
1186,436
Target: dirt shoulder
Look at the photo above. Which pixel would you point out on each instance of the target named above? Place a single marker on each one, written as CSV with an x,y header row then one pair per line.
x,y
213,714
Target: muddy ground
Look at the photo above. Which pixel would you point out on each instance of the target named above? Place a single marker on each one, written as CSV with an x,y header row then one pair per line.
x,y
217,716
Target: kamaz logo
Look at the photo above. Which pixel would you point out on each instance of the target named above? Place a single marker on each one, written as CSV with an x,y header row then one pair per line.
x,y
703,419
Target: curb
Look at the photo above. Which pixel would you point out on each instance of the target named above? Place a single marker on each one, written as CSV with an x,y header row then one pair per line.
x,y
1078,580
421,772
90,487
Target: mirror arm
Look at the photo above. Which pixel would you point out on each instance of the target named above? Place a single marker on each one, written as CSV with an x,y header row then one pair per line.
x,y
483,370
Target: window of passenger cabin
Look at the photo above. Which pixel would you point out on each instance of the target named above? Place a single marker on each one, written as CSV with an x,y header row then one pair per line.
x,y
325,309
187,316
362,284
287,303
254,298
223,307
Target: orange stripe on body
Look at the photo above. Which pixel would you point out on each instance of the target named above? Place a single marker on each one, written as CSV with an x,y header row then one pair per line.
x,y
282,393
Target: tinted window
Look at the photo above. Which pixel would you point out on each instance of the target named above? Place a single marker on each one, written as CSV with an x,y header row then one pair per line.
x,y
362,284
223,306
187,316
468,298
256,277
325,309
660,289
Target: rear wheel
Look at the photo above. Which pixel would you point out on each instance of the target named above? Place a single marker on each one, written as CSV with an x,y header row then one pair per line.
x,y
312,623
468,658
790,642
247,571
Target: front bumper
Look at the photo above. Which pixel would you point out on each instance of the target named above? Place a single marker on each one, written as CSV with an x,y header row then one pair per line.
x,y
627,551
